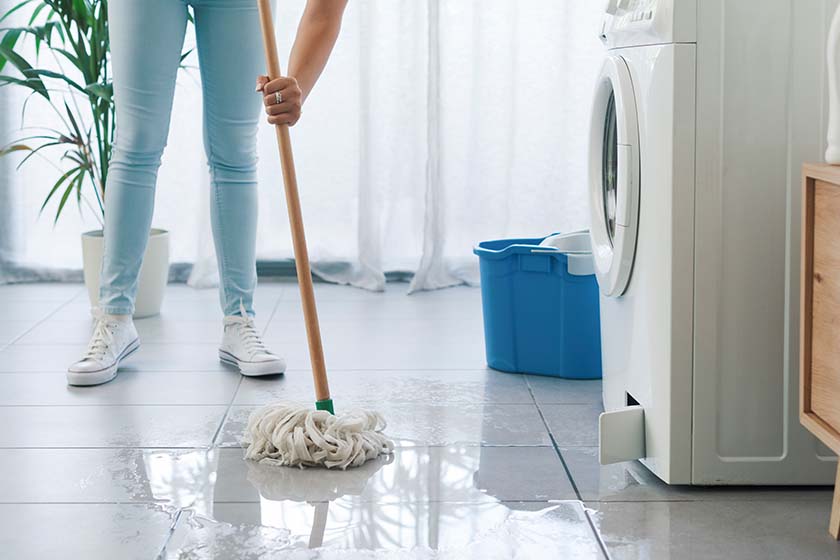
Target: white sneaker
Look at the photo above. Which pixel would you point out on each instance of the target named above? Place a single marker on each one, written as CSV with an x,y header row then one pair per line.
x,y
242,347
114,339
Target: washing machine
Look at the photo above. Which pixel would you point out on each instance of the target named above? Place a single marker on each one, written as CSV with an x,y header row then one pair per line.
x,y
689,201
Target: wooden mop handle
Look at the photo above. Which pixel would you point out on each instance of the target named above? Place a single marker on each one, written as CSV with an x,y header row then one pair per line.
x,y
307,293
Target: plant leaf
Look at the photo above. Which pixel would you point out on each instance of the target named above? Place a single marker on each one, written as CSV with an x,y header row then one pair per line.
x,y
44,31
31,83
55,188
73,122
25,68
15,148
64,198
67,54
36,150
105,92
35,13
9,41
14,9
56,75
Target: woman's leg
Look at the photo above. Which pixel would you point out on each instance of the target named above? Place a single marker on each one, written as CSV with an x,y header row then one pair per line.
x,y
230,54
146,41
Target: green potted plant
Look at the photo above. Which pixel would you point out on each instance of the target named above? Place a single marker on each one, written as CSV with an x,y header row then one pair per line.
x,y
77,87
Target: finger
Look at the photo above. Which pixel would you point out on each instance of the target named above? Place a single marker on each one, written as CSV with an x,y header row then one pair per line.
x,y
261,81
285,118
278,84
289,94
279,109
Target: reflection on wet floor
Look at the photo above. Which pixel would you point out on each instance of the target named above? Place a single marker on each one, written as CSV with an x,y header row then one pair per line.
x,y
417,501
447,531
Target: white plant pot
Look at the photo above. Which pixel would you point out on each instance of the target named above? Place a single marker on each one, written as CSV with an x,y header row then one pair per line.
x,y
154,272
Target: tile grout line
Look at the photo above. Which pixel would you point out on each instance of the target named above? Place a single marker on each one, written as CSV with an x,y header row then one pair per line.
x,y
595,532
554,443
271,316
39,322
174,525
213,442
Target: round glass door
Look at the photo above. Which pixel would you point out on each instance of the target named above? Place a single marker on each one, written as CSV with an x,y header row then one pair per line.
x,y
614,177
609,169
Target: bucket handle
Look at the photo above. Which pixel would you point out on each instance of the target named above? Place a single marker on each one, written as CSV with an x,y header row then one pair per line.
x,y
580,263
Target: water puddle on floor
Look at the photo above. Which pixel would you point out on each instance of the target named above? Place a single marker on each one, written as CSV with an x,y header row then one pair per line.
x,y
492,531
421,503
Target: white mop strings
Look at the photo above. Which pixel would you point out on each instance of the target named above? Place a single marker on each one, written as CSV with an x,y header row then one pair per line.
x,y
293,435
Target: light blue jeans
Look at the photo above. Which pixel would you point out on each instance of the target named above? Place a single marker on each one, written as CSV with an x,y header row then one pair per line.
x,y
147,37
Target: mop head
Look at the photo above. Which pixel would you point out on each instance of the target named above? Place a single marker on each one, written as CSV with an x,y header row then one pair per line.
x,y
297,436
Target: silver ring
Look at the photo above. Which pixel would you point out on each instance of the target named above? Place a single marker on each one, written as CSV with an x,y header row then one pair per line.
x,y
278,98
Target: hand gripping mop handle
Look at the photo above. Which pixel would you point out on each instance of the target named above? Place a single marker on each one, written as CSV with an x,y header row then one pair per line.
x,y
307,293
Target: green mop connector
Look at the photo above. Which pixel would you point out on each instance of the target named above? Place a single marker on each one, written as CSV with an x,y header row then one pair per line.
x,y
325,404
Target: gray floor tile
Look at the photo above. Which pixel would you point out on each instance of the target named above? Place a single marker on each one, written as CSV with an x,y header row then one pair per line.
x,y
266,295
180,303
40,292
573,425
177,357
385,344
11,330
632,481
124,531
15,309
176,310
153,329
356,387
39,358
77,309
419,474
393,291
411,424
109,426
394,306
462,531
130,387
745,530
554,390
76,332
53,358
177,478
164,330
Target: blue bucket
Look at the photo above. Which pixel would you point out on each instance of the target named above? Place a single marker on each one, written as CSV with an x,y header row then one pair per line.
x,y
541,306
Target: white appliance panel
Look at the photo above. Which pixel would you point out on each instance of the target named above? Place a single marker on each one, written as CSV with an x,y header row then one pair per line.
x,y
705,336
746,426
646,333
649,22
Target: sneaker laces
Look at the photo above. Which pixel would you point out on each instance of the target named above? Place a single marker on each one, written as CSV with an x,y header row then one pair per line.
x,y
101,339
248,334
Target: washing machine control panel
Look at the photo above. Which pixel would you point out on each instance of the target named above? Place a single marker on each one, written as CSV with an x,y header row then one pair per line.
x,y
629,23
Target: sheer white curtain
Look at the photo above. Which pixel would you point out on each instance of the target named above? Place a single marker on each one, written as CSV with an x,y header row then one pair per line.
x,y
437,124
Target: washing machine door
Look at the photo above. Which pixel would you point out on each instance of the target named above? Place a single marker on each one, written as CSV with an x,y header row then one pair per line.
x,y
614,177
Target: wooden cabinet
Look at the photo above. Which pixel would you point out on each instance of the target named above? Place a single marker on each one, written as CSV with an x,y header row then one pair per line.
x,y
819,394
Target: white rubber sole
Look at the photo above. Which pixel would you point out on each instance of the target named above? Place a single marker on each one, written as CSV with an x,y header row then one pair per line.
x,y
253,369
104,375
